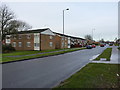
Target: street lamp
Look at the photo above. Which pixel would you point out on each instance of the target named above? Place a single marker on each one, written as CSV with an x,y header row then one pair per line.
x,y
63,28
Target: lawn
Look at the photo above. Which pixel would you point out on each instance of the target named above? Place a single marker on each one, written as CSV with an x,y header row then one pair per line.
x,y
105,54
27,52
119,48
94,75
8,59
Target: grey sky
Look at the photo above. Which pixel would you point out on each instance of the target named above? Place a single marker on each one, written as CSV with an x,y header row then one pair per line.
x,y
79,20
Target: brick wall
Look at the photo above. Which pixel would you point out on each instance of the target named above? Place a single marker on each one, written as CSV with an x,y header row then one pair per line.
x,y
24,41
58,42
45,42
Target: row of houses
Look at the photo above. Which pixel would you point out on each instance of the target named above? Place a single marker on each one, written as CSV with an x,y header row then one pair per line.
x,y
43,39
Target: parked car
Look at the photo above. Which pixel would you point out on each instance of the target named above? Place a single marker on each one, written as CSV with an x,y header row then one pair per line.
x,y
102,45
89,47
93,46
111,44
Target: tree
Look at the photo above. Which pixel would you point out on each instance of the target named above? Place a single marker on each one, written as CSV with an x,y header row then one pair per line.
x,y
6,16
8,24
102,40
17,25
88,37
23,26
115,39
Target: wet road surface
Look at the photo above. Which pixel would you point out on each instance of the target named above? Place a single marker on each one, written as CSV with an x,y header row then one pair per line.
x,y
45,72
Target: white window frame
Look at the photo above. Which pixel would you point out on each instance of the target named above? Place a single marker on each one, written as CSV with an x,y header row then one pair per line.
x,y
8,40
20,44
51,44
65,44
65,38
62,44
28,44
36,44
62,38
51,37
14,44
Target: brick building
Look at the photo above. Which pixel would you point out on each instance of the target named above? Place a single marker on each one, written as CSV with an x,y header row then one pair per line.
x,y
77,42
39,39
61,41
66,41
43,39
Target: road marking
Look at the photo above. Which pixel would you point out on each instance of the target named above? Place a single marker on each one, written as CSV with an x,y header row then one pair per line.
x,y
93,57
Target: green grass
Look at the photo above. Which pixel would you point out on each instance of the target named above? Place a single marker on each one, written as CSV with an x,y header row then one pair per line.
x,y
27,52
119,48
94,75
116,44
8,59
105,54
0,57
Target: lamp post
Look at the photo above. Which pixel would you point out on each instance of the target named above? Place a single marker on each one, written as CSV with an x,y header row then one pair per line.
x,y
63,29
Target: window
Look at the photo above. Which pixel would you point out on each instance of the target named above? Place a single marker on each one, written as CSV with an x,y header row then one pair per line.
x,y
20,36
65,38
51,37
62,44
51,44
36,44
28,36
14,44
65,44
7,40
20,44
62,38
28,44
68,44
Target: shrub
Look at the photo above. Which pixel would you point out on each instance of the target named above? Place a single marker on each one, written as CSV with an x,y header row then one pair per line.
x,y
7,48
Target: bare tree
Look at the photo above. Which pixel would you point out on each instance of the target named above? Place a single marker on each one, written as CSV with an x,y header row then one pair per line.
x,y
8,24
102,40
88,37
6,16
17,25
23,26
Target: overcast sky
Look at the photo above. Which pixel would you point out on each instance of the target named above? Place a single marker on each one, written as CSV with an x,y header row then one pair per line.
x,y
80,20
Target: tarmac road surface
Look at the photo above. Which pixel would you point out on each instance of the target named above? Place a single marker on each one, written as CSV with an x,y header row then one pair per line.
x,y
45,72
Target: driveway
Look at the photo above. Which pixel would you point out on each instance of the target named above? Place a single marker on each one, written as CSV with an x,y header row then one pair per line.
x,y
46,72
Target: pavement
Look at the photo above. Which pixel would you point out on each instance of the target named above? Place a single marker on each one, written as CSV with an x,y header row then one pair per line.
x,y
115,58
46,72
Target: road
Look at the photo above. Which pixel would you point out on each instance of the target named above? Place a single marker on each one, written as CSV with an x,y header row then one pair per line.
x,y
46,72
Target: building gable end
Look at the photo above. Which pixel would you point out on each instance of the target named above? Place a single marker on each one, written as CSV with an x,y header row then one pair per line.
x,y
47,32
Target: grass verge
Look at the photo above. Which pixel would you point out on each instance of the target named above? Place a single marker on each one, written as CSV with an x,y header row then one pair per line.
x,y
119,48
94,75
28,52
105,54
9,59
